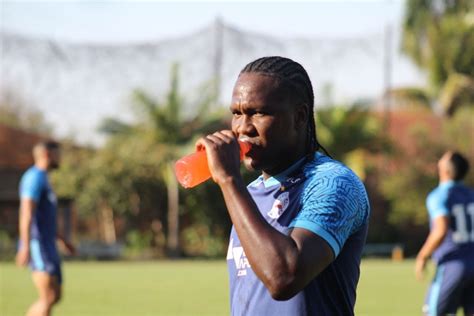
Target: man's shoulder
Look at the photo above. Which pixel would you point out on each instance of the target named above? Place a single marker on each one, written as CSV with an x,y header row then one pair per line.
x,y
33,175
323,170
438,194
330,181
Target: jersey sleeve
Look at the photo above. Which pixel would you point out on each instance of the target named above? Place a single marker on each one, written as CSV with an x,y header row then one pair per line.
x,y
31,185
436,205
333,208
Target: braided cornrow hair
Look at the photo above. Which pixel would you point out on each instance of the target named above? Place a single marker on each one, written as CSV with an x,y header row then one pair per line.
x,y
297,80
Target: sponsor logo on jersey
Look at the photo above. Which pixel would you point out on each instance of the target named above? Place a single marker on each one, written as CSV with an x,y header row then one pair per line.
x,y
240,259
294,180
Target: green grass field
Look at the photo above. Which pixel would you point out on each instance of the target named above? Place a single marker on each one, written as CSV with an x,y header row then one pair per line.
x,y
189,288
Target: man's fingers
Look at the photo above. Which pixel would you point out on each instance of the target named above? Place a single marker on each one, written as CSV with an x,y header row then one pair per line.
x,y
225,136
201,143
229,133
215,139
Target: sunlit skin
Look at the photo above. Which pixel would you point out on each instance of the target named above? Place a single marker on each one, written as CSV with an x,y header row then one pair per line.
x,y
276,128
46,159
265,116
444,168
439,226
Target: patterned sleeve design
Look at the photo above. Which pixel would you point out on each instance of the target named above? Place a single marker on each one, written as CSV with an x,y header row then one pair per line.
x,y
334,204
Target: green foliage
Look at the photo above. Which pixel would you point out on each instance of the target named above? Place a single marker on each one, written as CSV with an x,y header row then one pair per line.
x,y
199,240
7,245
131,175
414,178
350,134
138,242
16,113
410,98
416,172
439,36
109,175
457,92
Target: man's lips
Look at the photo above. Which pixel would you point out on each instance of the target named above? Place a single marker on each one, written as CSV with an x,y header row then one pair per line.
x,y
252,142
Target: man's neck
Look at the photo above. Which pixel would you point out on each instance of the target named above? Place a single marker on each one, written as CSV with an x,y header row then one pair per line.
x,y
278,171
445,180
41,166
298,152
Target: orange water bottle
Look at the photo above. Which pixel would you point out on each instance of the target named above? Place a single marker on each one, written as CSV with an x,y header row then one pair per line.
x,y
193,169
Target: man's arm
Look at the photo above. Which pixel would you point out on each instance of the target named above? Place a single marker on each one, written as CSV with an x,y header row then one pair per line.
x,y
285,264
71,250
27,208
437,234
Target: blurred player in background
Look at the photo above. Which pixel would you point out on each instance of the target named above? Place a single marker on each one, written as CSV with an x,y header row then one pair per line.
x,y
451,240
38,229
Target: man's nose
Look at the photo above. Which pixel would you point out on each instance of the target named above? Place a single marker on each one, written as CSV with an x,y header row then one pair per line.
x,y
244,125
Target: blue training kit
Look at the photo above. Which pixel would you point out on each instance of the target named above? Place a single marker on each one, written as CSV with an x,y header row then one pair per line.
x,y
44,255
325,197
453,284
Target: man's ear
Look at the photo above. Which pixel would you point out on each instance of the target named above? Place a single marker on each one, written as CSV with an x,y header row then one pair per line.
x,y
301,116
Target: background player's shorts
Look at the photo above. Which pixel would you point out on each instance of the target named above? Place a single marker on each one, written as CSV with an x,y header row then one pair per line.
x,y
45,258
452,287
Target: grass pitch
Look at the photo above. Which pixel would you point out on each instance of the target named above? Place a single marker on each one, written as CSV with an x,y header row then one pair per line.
x,y
172,288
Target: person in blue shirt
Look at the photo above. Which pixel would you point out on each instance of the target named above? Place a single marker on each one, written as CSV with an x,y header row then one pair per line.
x,y
298,229
38,231
451,240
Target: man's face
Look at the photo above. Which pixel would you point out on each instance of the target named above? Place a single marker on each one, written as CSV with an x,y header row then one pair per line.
x,y
53,156
264,115
443,163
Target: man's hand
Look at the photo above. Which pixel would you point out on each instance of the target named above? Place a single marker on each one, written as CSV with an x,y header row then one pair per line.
x,y
66,246
420,266
22,257
71,250
223,155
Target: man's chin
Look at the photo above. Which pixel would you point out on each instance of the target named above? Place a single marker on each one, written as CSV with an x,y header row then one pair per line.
x,y
53,167
251,164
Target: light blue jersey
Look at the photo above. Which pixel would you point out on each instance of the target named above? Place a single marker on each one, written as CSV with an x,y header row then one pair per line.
x,y
455,201
44,256
35,185
322,196
453,284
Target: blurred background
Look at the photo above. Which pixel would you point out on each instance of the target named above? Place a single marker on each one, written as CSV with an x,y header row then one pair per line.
x,y
128,87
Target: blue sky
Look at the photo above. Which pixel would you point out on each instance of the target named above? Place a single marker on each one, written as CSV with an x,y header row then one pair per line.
x,y
136,21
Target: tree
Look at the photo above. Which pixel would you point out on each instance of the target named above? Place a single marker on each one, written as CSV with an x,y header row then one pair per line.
x,y
165,123
15,112
349,134
412,171
439,36
115,180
